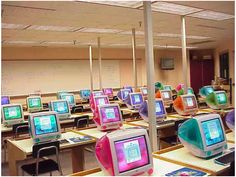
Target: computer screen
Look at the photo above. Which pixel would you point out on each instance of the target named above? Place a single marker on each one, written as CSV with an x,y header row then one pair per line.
x,y
221,98
189,102
45,124
61,93
101,100
144,91
34,102
190,90
108,91
129,87
167,87
60,106
110,114
69,97
85,94
12,112
131,153
160,109
166,95
209,90
136,98
124,93
5,100
98,93
213,132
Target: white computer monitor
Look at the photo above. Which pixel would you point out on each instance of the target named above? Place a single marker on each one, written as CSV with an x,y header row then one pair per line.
x,y
34,103
61,107
136,99
12,114
101,100
110,116
144,91
125,152
44,126
70,98
203,135
166,96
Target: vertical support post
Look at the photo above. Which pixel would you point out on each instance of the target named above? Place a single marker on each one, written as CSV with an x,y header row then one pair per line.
x,y
91,67
184,54
134,60
100,63
150,73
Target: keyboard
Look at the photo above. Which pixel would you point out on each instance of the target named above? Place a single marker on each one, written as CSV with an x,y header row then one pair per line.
x,y
225,159
165,122
63,141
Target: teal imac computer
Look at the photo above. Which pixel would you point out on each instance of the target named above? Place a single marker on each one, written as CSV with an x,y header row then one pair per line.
x,y
34,103
205,91
190,90
12,114
203,135
217,100
59,93
70,98
167,87
85,94
44,126
62,108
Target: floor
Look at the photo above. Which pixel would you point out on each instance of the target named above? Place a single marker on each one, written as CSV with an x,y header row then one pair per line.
x,y
65,158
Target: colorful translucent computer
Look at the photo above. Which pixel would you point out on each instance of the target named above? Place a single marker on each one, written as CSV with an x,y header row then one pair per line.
x,y
59,93
160,110
109,117
97,93
108,92
34,103
12,114
159,86
5,100
70,98
230,120
84,94
217,100
123,94
61,107
129,87
101,100
134,100
144,91
203,135
44,126
125,152
205,91
166,96
167,87
190,90
186,105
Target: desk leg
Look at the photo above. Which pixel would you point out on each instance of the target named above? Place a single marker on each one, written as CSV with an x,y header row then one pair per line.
x,y
158,140
77,155
14,154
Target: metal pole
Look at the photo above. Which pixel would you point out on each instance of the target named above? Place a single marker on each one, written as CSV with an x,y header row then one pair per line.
x,y
134,60
184,54
100,63
91,67
150,73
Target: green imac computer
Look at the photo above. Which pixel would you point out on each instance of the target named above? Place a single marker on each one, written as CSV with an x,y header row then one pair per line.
x,y
44,126
217,100
34,103
190,90
12,114
203,135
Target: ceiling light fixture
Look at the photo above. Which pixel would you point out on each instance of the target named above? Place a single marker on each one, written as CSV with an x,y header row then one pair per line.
x,y
59,42
98,30
130,32
179,36
172,46
13,26
211,15
52,28
21,42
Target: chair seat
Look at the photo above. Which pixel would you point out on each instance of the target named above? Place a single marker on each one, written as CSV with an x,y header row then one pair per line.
x,y
45,166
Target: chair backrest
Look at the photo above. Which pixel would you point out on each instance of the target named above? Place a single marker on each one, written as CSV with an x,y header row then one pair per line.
x,y
20,128
178,123
82,121
46,149
232,169
45,105
115,98
77,109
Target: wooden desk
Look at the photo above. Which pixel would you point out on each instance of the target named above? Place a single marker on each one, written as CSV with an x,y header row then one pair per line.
x,y
230,137
127,111
95,133
219,111
22,149
161,168
180,155
188,117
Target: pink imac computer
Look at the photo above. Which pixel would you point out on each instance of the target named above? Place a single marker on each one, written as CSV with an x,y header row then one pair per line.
x,y
108,92
109,117
125,152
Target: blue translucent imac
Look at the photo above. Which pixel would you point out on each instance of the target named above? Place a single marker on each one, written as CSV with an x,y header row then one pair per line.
x,y
44,126
85,94
203,135
134,100
59,93
123,94
70,98
125,152
61,107
230,120
160,110
205,91
5,100
217,100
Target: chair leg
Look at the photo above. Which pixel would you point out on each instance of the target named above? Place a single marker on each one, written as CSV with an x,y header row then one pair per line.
x,y
5,150
50,173
23,173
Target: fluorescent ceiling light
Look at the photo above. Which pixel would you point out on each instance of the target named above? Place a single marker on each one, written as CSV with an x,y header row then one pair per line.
x,y
13,26
179,36
173,46
120,44
173,8
130,32
21,42
59,42
121,3
98,30
211,15
52,28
